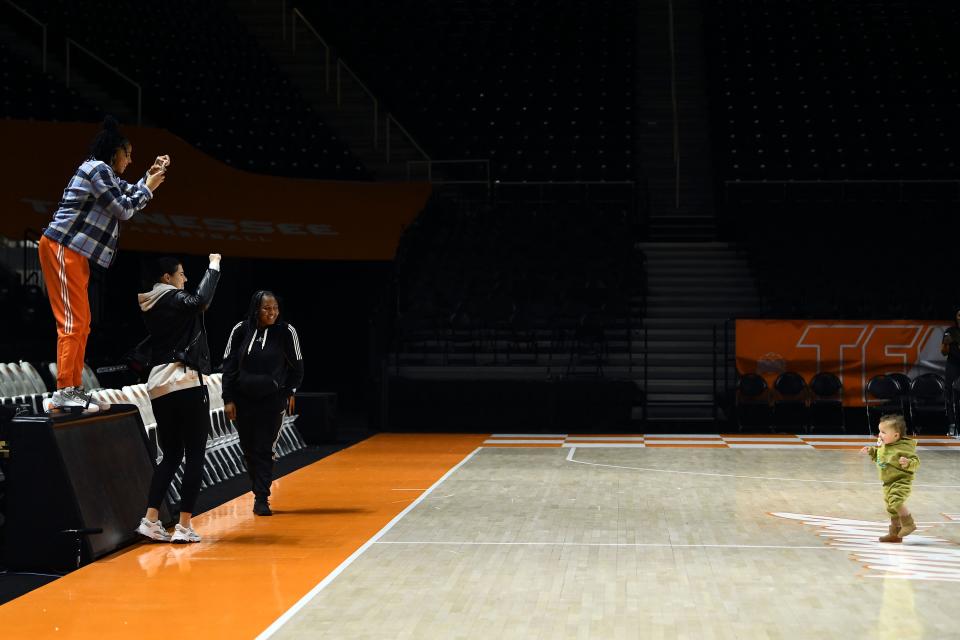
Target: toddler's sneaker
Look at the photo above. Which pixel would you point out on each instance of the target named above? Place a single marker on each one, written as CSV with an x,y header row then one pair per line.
x,y
153,530
71,400
183,535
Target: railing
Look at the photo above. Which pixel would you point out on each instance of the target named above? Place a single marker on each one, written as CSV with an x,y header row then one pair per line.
x,y
43,31
599,192
390,119
431,175
293,37
75,44
843,187
376,105
673,100
342,68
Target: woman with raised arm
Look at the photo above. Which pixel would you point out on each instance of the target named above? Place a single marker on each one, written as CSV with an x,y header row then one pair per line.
x,y
177,389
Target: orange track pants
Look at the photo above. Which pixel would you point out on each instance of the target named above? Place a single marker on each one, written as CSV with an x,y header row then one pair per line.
x,y
67,274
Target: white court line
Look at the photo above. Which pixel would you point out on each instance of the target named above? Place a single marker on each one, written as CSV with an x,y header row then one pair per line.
x,y
605,438
606,445
794,445
514,441
292,611
664,545
573,452
691,436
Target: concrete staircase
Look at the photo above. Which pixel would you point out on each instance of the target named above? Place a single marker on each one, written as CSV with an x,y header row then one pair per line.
x,y
692,289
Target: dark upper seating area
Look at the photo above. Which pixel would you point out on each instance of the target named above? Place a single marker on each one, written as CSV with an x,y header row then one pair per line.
x,y
836,260
850,89
203,78
27,93
516,285
542,89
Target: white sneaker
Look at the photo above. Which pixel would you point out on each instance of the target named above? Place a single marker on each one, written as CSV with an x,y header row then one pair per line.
x,y
101,403
183,535
71,400
153,530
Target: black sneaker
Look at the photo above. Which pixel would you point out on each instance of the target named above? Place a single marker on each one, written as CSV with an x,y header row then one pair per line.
x,y
261,507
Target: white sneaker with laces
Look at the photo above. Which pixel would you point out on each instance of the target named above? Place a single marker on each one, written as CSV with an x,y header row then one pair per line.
x,y
71,400
183,535
153,530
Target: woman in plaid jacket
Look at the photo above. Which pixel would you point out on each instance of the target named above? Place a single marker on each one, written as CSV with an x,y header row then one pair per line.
x,y
85,227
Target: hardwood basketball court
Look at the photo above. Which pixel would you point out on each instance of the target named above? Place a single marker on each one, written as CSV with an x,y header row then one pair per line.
x,y
543,536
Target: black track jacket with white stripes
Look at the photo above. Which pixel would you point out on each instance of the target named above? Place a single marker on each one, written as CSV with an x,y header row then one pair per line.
x,y
273,351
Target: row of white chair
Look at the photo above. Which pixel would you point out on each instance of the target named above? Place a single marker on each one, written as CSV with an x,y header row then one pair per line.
x,y
20,379
223,458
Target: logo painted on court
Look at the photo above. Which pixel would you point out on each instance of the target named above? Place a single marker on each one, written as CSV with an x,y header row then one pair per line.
x,y
923,557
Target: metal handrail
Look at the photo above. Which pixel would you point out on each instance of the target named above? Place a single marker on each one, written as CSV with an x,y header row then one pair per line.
x,y
587,184
296,15
409,137
431,163
850,181
43,30
108,66
563,182
787,183
293,36
376,104
673,98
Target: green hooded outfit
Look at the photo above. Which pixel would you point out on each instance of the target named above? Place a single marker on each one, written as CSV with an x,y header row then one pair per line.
x,y
896,479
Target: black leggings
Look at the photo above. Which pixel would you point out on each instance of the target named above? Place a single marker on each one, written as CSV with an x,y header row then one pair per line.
x,y
952,373
183,420
258,424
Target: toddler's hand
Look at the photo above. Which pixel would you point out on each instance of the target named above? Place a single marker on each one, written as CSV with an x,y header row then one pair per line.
x,y
904,462
865,450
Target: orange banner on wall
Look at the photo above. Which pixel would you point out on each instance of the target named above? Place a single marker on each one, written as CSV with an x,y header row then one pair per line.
x,y
854,350
205,205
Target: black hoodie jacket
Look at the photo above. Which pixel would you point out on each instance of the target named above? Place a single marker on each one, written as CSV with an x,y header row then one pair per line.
x,y
261,363
174,320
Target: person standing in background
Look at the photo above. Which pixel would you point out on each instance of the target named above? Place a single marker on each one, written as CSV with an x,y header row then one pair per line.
x,y
950,347
85,227
262,368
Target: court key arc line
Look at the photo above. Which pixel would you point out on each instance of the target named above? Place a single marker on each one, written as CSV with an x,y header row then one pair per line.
x,y
573,451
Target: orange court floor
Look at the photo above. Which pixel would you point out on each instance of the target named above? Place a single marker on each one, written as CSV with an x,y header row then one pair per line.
x,y
248,570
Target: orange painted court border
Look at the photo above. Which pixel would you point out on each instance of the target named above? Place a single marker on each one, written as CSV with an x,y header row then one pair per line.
x,y
247,571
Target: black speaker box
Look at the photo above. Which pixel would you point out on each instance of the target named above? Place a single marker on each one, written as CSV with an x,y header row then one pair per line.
x,y
74,473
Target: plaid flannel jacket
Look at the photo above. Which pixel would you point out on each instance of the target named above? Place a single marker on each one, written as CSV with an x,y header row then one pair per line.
x,y
88,217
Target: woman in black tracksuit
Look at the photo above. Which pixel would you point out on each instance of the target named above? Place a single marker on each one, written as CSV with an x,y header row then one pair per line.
x,y
262,368
177,389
